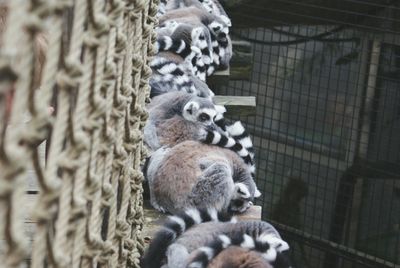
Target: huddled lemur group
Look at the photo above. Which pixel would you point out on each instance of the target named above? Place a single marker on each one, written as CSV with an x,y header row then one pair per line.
x,y
201,168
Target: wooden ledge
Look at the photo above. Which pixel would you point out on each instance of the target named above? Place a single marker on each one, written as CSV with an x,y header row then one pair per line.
x,y
237,105
218,78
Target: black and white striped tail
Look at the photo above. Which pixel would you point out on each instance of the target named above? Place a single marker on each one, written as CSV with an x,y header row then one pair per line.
x,y
270,246
166,43
222,140
174,227
239,133
236,139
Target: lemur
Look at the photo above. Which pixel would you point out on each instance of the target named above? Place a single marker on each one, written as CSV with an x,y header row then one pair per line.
x,y
185,242
191,42
176,225
218,29
178,116
270,248
211,6
237,257
215,7
193,174
172,73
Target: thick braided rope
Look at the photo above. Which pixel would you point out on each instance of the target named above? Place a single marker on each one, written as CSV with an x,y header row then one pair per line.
x,y
89,205
16,56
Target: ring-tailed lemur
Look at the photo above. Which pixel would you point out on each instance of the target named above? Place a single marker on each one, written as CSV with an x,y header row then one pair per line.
x,y
195,15
270,247
174,226
179,249
192,174
237,257
178,116
172,73
215,7
218,29
191,42
211,6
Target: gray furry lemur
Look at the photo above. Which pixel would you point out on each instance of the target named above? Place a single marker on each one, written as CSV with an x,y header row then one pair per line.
x,y
201,238
175,117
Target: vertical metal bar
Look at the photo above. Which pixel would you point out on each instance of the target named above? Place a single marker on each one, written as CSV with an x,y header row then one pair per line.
x,y
363,140
350,187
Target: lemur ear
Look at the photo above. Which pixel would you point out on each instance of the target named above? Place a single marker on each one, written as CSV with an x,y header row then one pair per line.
x,y
191,107
242,190
220,109
226,20
257,193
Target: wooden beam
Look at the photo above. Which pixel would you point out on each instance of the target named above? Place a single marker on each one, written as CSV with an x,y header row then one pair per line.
x,y
219,78
237,105
241,64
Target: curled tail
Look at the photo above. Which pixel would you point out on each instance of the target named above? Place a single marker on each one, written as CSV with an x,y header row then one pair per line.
x,y
239,133
180,47
270,246
225,141
236,139
173,228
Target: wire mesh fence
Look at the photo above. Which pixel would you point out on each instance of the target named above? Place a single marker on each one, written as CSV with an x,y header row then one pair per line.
x,y
326,77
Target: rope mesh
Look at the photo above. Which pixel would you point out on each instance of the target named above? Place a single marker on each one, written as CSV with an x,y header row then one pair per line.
x,y
88,208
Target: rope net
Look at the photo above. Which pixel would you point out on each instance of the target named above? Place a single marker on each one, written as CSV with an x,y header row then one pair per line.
x,y
73,78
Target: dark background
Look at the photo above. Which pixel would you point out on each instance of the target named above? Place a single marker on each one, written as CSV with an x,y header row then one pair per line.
x,y
327,128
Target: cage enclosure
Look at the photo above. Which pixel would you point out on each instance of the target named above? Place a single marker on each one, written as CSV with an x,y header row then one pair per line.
x,y
326,79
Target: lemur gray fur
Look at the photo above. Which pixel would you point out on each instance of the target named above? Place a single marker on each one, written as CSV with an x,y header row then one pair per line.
x,y
268,245
183,248
237,257
192,174
215,7
196,15
176,225
191,42
172,73
178,116
221,44
211,6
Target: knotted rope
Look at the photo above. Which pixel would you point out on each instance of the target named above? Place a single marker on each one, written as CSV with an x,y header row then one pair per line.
x,y
88,208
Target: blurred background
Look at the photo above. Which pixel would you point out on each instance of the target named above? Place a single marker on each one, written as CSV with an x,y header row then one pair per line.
x,y
326,76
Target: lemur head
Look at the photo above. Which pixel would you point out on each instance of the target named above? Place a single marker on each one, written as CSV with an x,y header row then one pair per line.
x,y
242,197
200,110
218,28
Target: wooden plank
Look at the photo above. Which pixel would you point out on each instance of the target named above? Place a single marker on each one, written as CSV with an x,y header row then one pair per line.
x,y
152,221
241,64
219,78
237,105
29,205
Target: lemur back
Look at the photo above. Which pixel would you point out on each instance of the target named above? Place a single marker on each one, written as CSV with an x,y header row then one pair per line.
x,y
173,227
177,116
172,73
237,257
184,247
192,174
270,247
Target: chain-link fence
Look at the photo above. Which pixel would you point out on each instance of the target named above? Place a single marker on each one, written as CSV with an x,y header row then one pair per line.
x,y
326,76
